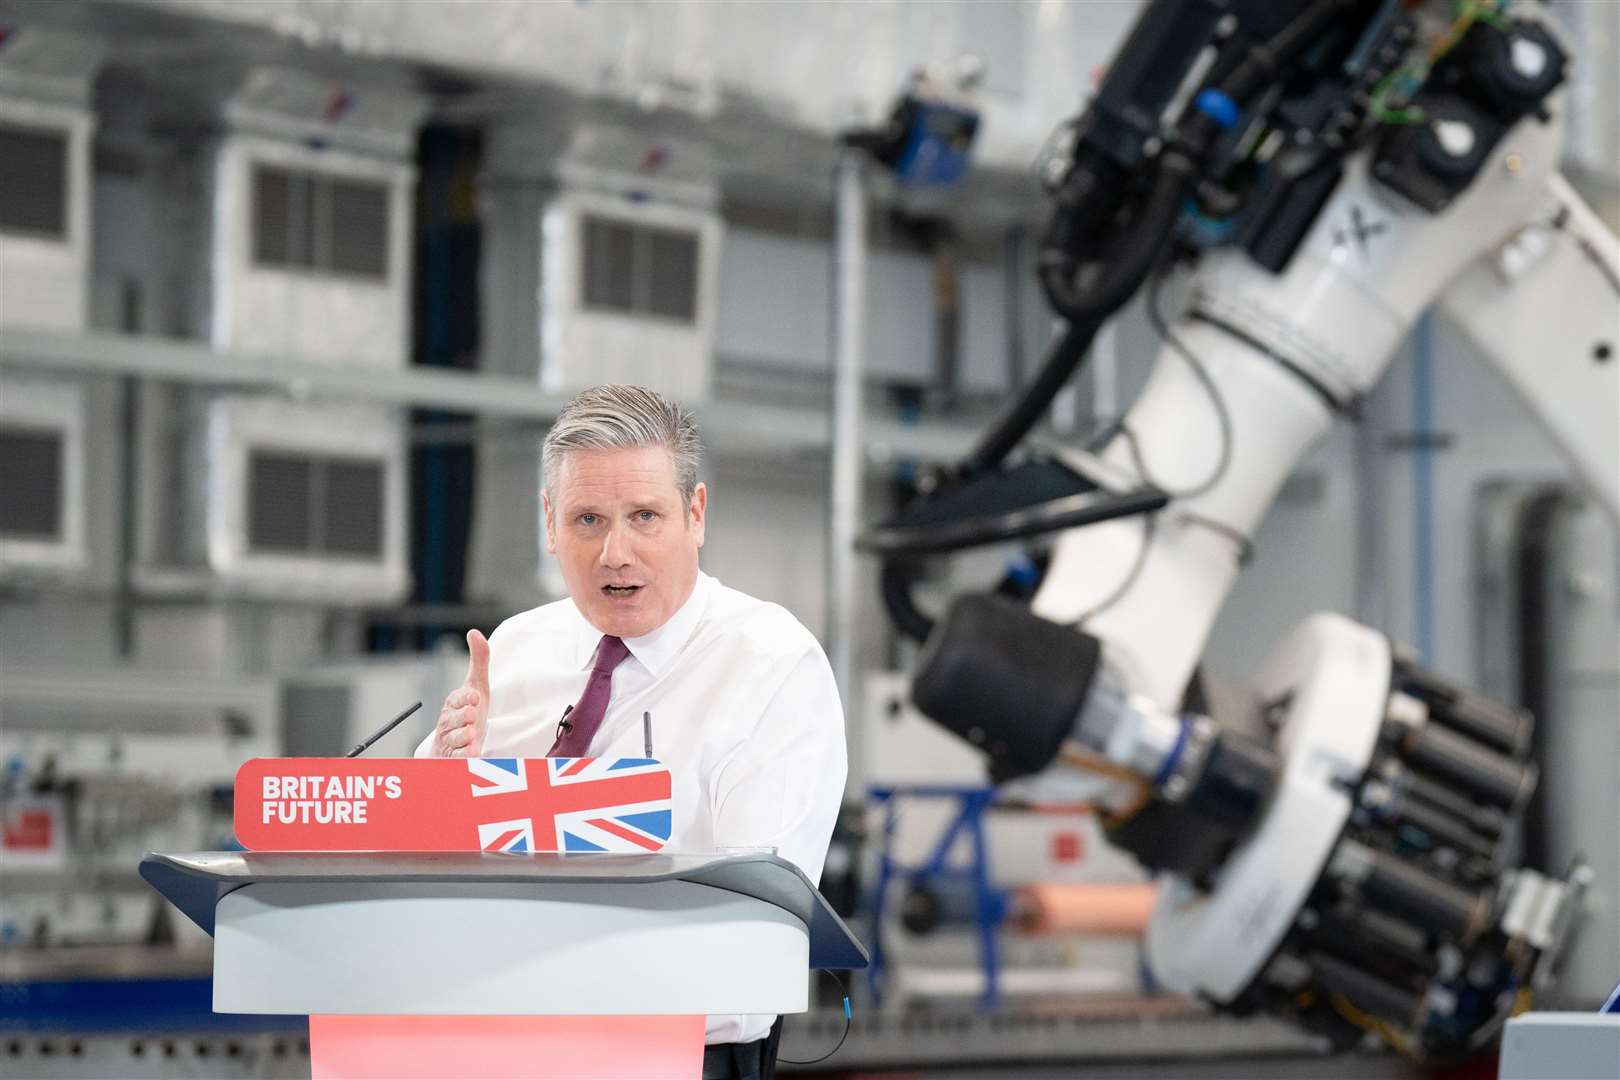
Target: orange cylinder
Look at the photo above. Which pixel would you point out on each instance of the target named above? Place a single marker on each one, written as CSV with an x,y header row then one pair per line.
x,y
1098,908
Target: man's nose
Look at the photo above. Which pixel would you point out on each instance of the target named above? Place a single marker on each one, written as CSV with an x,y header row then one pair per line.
x,y
615,549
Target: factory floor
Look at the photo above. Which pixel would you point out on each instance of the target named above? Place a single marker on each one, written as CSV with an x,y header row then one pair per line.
x,y
1123,1037
135,1014
1339,1068
265,1057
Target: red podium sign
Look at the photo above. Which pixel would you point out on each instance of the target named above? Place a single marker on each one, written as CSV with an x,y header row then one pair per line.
x,y
453,804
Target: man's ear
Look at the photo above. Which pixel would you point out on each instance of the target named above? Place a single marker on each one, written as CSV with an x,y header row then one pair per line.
x,y
697,511
551,523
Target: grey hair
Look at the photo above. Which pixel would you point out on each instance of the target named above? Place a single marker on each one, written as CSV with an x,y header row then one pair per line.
x,y
621,417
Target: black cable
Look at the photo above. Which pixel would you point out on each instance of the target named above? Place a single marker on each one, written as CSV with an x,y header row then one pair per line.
x,y
896,580
1115,281
1223,416
385,729
1594,256
1244,545
1162,328
1160,325
1009,429
1264,60
848,1020
1062,358
1111,284
1087,309
1349,408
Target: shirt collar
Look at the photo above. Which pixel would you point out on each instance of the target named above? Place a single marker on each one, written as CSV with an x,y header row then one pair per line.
x,y
657,649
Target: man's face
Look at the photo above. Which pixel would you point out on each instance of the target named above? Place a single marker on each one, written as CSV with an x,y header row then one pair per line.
x,y
625,539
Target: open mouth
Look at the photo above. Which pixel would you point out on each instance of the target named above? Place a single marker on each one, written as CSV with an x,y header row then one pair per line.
x,y
621,591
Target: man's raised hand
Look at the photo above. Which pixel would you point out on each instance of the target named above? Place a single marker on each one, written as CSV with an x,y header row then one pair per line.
x,y
465,716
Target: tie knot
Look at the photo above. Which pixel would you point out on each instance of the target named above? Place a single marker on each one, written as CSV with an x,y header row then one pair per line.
x,y
609,652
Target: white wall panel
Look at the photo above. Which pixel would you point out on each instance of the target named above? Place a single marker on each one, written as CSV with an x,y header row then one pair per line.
x,y
52,632
775,309
900,319
224,638
983,362
775,299
767,535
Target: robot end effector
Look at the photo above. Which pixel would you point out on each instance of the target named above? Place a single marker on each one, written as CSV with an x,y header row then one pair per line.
x,y
1348,863
1031,693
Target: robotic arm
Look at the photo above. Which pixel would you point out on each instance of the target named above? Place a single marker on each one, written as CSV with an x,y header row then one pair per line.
x,y
1335,168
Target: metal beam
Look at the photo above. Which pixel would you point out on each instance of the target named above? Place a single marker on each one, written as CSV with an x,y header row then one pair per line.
x,y
196,363
730,425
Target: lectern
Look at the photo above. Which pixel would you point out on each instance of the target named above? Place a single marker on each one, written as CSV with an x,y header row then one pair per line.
x,y
501,965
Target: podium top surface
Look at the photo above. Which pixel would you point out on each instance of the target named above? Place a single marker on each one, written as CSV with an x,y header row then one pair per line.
x,y
195,881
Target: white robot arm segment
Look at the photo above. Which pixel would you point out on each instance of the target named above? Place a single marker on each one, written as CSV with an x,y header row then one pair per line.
x,y
1544,310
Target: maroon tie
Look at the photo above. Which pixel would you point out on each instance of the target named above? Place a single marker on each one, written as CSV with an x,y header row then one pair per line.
x,y
585,717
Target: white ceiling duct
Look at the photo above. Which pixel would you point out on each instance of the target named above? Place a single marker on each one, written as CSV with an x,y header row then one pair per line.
x,y
310,246
45,131
816,66
624,227
305,502
42,477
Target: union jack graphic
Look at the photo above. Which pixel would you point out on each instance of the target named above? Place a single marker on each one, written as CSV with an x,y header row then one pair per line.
x,y
498,776
575,804
515,836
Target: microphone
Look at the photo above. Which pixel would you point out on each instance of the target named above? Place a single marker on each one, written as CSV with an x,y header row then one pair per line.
x,y
564,726
385,729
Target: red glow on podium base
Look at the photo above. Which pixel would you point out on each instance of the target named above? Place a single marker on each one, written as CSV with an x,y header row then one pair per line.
x,y
505,1047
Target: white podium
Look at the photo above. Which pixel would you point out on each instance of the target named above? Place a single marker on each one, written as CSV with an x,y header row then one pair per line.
x,y
1561,1046
459,964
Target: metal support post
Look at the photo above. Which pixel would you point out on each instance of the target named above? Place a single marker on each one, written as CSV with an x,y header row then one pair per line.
x,y
848,362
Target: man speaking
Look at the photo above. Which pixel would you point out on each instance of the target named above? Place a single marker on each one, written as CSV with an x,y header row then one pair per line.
x,y
744,708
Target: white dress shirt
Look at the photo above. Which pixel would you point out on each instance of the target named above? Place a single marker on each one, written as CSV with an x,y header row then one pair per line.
x,y
745,713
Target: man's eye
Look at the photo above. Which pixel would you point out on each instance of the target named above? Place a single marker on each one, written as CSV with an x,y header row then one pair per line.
x,y
645,515
587,519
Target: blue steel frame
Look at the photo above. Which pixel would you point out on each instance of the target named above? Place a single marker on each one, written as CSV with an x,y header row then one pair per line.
x,y
990,903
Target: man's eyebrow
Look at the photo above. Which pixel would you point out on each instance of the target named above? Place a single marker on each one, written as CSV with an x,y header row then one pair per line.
x,y
655,502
